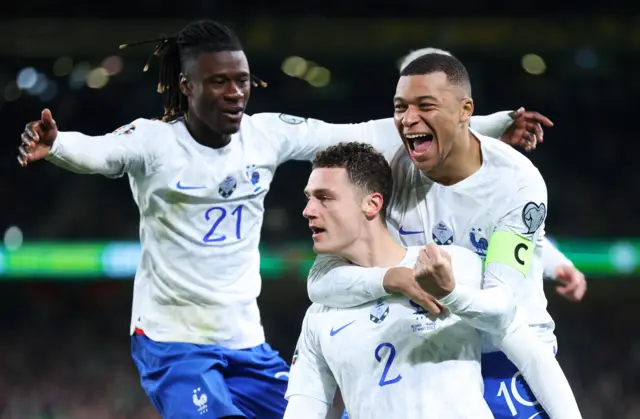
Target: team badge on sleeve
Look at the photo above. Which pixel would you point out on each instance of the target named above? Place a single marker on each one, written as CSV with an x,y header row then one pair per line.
x,y
533,216
290,119
125,129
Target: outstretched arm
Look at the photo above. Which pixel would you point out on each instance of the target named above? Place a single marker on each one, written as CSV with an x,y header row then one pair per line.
x,y
123,151
296,138
111,155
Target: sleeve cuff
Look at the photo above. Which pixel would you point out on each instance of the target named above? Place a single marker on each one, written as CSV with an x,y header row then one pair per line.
x,y
457,300
55,147
375,287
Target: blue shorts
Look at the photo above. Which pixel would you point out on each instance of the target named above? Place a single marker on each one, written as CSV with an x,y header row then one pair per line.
x,y
506,392
185,380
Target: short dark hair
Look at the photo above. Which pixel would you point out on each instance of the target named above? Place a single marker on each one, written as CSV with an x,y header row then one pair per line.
x,y
366,168
455,71
195,38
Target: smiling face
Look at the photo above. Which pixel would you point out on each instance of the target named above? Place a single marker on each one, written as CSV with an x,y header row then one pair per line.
x,y
217,85
430,113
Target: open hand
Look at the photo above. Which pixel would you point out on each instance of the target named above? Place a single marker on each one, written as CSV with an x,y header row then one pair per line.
x,y
37,139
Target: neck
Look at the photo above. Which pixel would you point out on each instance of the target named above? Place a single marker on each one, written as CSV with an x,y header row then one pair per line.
x,y
375,248
463,160
203,134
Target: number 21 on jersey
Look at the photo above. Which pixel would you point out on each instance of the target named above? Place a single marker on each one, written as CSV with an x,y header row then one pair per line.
x,y
218,216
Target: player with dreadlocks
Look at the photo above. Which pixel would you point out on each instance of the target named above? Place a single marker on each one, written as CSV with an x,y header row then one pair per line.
x,y
199,176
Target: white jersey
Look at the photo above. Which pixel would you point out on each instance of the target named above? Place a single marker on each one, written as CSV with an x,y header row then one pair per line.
x,y
390,360
507,195
504,203
201,212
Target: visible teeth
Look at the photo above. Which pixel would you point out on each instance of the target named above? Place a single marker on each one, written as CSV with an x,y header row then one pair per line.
x,y
414,136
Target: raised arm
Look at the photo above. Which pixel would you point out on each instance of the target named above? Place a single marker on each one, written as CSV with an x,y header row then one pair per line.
x,y
123,151
296,138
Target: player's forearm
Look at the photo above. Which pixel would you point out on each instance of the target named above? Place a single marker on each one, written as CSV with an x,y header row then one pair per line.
x,y
552,259
335,283
490,310
537,364
305,407
81,153
492,125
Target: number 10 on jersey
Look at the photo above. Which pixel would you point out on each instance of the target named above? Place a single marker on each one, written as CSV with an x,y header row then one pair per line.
x,y
217,216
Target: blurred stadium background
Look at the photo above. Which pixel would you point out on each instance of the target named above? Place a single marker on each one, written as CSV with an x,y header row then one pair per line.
x,y
70,242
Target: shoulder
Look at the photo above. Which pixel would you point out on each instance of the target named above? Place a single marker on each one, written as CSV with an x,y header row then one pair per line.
x,y
271,122
316,308
509,164
142,128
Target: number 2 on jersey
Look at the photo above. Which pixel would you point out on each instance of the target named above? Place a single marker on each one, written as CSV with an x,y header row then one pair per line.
x,y
217,215
392,354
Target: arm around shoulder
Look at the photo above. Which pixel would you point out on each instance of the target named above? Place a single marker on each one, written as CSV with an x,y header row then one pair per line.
x,y
297,138
334,282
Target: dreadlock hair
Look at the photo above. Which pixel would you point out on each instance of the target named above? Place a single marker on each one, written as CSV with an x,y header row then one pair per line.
x,y
173,51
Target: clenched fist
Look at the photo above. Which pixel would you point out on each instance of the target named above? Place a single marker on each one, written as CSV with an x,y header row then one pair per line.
x,y
433,271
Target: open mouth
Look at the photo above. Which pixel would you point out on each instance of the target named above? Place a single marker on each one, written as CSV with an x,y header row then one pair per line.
x,y
420,143
316,230
233,113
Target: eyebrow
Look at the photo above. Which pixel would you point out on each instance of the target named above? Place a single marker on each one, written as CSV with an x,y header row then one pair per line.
x,y
321,191
229,75
417,99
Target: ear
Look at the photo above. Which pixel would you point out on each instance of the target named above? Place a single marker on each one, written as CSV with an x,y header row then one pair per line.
x,y
372,205
185,85
467,109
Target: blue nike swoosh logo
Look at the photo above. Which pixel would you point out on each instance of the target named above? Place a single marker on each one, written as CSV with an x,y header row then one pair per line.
x,y
184,188
336,331
406,233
